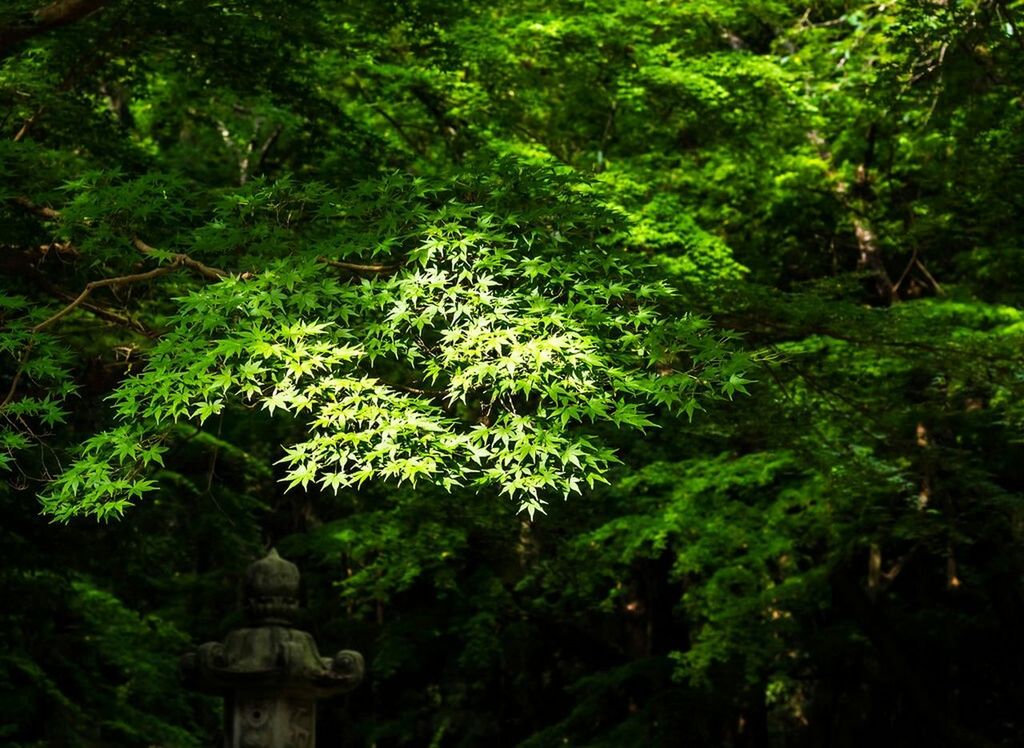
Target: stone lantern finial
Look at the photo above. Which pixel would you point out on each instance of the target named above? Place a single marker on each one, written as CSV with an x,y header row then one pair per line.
x,y
269,673
272,590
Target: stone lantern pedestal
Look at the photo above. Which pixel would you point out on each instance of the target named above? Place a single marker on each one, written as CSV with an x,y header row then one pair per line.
x,y
269,673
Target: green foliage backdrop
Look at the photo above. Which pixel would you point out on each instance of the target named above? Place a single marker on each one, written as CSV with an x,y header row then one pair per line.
x,y
620,372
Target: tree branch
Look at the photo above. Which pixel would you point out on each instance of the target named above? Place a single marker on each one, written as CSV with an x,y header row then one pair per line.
x,y
929,276
212,274
93,285
40,210
206,271
52,16
417,390
102,312
180,258
17,375
267,145
358,268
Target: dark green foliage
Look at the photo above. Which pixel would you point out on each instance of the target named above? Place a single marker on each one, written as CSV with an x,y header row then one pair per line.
x,y
740,281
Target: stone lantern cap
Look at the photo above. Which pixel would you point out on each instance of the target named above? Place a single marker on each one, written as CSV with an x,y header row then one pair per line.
x,y
270,655
272,590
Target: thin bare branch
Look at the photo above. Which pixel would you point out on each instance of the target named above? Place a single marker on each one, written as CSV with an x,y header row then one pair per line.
x,y
105,282
359,268
27,124
206,271
903,275
42,211
267,145
417,390
102,312
17,375
930,277
180,258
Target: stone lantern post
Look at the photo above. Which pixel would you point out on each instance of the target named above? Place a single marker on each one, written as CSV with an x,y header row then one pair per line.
x,y
269,673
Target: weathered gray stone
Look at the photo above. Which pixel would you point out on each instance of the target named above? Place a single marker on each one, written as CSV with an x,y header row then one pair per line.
x,y
270,673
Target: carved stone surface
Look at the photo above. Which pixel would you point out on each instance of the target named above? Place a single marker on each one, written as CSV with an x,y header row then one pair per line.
x,y
269,672
259,720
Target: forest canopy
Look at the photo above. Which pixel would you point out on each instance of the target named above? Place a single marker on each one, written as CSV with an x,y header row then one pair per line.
x,y
620,373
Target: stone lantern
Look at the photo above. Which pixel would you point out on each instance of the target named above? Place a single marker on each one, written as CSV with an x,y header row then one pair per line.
x,y
269,673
